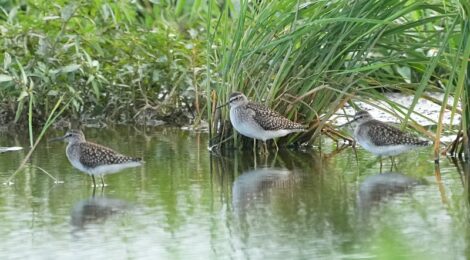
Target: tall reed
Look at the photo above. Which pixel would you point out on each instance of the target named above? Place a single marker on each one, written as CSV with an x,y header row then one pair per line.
x,y
307,59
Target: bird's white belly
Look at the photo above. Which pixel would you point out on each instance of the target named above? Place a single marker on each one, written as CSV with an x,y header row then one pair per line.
x,y
112,168
256,132
387,150
248,128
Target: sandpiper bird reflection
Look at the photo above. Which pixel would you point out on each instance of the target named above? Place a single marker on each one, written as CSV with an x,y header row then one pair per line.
x,y
94,159
258,121
381,138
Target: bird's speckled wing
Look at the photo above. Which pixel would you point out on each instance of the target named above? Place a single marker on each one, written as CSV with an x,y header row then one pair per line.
x,y
384,134
93,155
271,120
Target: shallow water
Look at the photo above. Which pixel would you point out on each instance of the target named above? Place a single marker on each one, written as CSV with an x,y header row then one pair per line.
x,y
186,204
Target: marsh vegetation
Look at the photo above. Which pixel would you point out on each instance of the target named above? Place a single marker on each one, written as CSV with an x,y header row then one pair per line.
x,y
174,60
119,62
145,63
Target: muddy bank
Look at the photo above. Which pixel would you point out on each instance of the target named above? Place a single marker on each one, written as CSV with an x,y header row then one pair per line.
x,y
171,116
426,111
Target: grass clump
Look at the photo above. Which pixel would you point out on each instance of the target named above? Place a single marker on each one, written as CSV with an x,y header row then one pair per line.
x,y
135,61
308,59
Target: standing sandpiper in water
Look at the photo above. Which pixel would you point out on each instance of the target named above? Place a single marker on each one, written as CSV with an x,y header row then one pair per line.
x,y
258,121
381,138
94,159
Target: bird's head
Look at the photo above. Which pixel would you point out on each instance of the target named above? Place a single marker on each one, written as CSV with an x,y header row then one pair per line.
x,y
72,136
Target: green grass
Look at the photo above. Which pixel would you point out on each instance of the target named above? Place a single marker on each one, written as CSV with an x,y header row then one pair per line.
x,y
308,58
133,61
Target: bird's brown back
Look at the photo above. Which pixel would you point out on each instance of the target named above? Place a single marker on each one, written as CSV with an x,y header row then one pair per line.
x,y
93,155
382,134
271,120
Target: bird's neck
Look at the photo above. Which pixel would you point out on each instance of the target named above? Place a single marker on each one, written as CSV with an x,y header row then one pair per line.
x,y
74,142
365,120
241,105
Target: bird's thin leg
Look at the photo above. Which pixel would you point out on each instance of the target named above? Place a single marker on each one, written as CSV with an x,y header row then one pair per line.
x,y
102,181
275,144
265,148
255,161
94,182
254,146
393,163
380,158
93,193
254,152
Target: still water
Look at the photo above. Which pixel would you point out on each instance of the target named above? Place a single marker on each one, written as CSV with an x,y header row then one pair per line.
x,y
186,204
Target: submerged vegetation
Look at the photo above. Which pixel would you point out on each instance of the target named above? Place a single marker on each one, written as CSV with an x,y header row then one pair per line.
x,y
144,60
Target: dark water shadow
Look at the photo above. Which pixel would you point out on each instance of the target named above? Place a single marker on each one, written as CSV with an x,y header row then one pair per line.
x,y
380,188
301,195
255,187
239,161
227,167
265,194
463,169
96,210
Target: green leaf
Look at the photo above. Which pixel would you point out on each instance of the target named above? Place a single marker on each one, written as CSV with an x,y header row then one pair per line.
x,y
70,68
4,78
67,12
6,61
23,94
405,72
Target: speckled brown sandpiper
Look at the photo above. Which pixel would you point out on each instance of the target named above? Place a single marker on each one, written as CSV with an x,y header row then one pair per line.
x,y
258,121
94,159
382,139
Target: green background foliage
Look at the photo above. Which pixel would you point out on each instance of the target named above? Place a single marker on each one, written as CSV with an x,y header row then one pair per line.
x,y
121,61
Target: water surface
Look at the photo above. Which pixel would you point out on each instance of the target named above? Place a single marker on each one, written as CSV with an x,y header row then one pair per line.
x,y
186,204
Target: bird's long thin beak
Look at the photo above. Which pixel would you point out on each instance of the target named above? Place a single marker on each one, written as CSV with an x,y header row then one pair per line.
x,y
222,105
56,139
